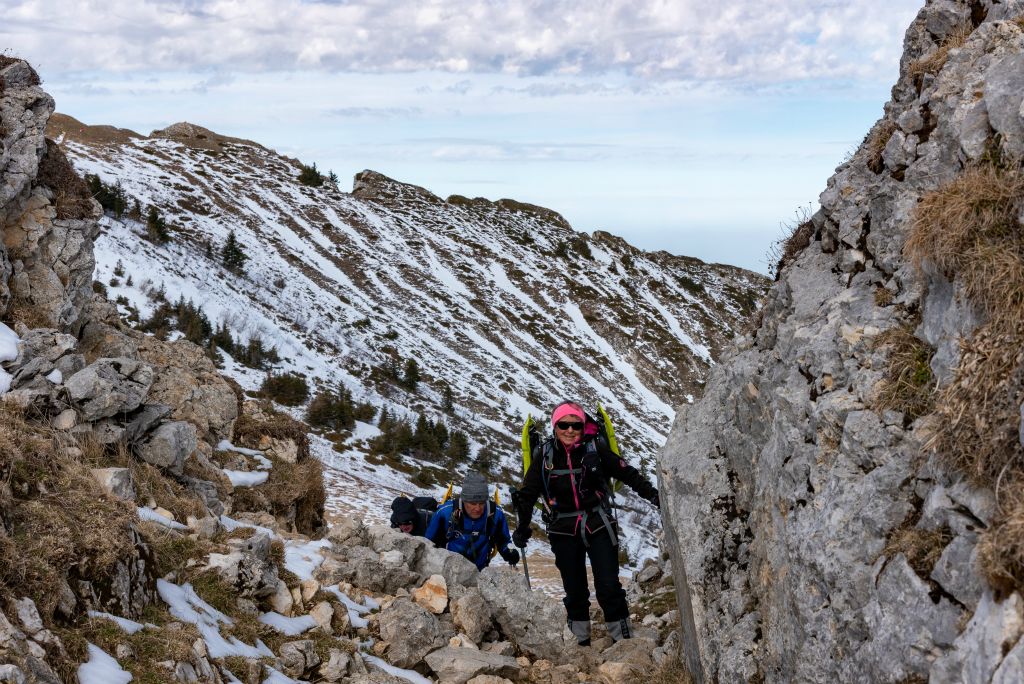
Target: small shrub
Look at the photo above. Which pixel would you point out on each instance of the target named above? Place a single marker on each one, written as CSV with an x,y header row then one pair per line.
x,y
99,288
310,176
289,389
795,239
883,297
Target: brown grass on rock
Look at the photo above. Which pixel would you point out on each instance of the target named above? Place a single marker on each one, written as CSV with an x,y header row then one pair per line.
x,y
152,484
71,195
795,240
922,548
876,140
909,387
1001,548
933,62
970,230
57,518
249,430
293,492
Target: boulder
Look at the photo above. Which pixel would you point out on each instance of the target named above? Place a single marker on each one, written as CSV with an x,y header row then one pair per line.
x,y
249,569
190,384
535,622
459,665
115,482
297,657
432,595
409,632
169,445
472,615
336,667
108,387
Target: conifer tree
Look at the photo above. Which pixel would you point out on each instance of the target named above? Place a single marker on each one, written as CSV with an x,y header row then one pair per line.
x,y
232,256
411,375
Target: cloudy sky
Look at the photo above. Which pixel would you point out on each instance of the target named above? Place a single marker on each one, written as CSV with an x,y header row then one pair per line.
x,y
686,125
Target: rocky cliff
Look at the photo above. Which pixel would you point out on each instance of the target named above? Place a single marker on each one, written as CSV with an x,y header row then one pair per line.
x,y
843,503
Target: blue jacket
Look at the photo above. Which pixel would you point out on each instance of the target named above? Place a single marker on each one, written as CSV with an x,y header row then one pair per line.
x,y
472,539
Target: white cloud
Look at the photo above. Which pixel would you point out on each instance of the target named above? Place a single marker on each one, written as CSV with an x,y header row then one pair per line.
x,y
747,40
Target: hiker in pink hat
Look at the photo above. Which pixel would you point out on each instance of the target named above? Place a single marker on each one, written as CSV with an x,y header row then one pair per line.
x,y
572,470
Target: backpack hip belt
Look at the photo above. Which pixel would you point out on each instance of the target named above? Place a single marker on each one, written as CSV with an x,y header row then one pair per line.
x,y
600,510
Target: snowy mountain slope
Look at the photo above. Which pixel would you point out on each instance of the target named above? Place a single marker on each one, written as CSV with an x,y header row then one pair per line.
x,y
503,302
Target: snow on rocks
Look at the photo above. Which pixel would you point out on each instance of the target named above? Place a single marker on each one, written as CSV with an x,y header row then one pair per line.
x,y
8,352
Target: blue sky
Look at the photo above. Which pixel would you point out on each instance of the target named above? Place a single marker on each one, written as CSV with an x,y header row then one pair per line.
x,y
699,128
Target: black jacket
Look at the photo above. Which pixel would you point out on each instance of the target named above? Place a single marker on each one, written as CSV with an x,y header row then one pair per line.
x,y
590,491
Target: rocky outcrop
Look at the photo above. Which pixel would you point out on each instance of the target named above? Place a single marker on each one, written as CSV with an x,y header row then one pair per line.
x,y
814,537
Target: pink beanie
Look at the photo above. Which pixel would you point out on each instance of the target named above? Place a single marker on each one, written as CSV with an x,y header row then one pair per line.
x,y
566,409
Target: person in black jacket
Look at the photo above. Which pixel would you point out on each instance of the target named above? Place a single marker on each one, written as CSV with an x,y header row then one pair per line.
x,y
412,517
571,470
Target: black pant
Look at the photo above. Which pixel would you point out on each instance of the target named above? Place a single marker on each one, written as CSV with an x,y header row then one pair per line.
x,y
571,561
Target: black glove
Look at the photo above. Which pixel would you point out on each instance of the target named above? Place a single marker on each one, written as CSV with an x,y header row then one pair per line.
x,y
656,500
522,535
511,556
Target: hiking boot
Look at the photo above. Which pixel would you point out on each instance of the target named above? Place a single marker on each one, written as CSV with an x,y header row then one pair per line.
x,y
620,629
581,630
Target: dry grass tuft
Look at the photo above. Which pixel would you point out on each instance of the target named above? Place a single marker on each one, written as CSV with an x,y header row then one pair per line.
x,y
293,492
249,430
922,548
909,387
883,297
795,239
152,485
58,520
72,198
669,672
1001,547
970,230
151,647
933,62
33,316
876,140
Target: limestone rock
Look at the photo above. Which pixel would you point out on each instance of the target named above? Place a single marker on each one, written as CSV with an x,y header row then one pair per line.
x,y
169,445
472,615
108,387
298,656
336,667
189,383
28,615
410,632
432,595
990,635
534,622
116,482
459,665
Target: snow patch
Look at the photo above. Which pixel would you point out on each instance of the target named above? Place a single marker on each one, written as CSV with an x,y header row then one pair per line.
x,y
101,668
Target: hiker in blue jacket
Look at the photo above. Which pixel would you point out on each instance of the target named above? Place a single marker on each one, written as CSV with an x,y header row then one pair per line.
x,y
472,525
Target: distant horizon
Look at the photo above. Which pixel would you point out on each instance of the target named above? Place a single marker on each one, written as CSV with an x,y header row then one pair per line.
x,y
694,129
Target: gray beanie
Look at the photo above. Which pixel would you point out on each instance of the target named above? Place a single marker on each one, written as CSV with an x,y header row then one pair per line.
x,y
474,487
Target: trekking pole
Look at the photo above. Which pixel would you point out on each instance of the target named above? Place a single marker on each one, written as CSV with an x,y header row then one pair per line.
x,y
522,549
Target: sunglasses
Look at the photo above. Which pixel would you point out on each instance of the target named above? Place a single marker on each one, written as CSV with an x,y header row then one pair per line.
x,y
574,425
